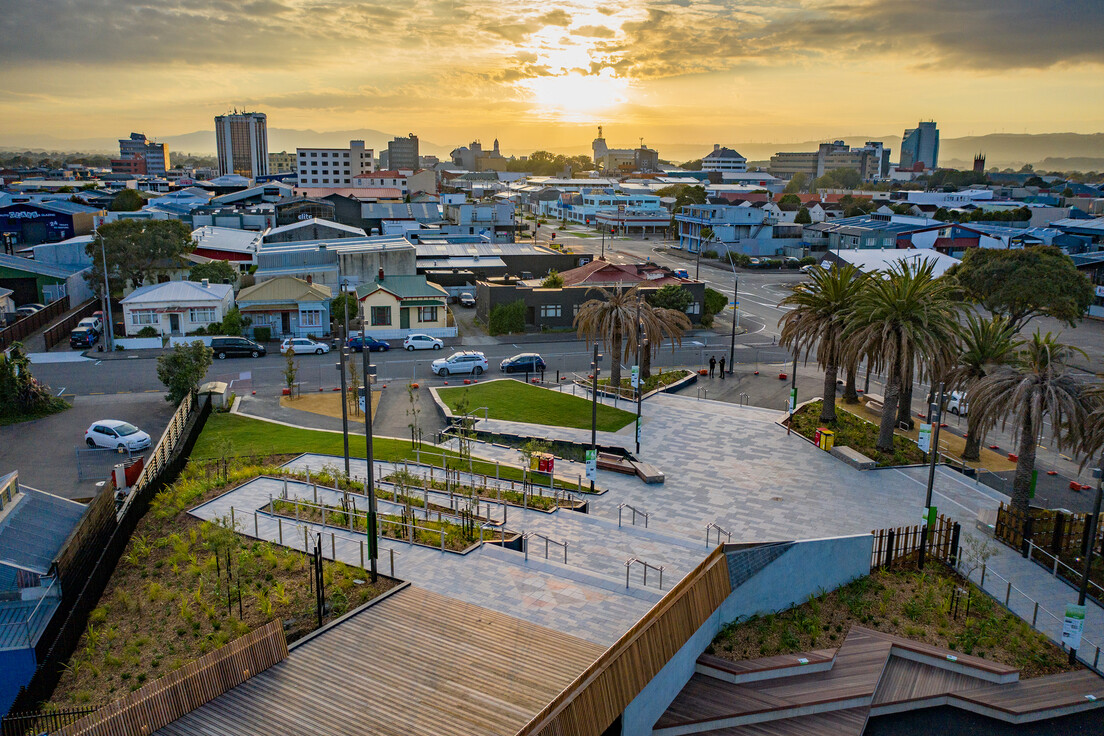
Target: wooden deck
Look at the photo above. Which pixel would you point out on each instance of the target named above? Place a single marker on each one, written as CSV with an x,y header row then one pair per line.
x,y
414,663
872,673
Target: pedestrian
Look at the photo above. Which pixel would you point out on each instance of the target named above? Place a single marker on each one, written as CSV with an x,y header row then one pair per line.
x,y
722,368
712,365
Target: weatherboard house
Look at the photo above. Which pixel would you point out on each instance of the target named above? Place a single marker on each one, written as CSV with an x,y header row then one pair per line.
x,y
395,306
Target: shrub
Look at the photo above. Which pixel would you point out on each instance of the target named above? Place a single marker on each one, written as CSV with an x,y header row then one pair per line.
x,y
262,334
793,265
147,331
507,318
709,254
707,320
715,301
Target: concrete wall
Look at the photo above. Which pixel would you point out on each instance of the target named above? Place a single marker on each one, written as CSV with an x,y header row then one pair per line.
x,y
801,570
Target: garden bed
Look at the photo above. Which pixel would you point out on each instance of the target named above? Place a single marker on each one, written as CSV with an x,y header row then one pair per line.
x,y
514,401
171,599
910,604
654,382
857,433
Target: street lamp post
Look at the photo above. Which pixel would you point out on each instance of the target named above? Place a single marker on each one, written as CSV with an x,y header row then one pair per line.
x,y
370,484
735,316
109,328
935,416
1094,527
341,369
594,408
639,372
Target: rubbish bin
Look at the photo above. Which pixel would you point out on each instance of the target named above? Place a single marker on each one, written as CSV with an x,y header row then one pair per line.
x,y
827,439
534,462
816,436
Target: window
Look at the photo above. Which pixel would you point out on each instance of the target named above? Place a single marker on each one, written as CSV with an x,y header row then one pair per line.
x,y
550,310
381,316
311,318
575,310
694,308
143,318
314,154
204,315
427,314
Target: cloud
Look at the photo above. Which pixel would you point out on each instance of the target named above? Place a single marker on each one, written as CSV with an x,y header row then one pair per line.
x,y
594,31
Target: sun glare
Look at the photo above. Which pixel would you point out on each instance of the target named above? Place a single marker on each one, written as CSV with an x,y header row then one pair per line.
x,y
575,97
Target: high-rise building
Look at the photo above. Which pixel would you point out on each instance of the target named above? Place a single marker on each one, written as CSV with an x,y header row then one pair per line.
x,y
920,146
402,153
156,155
333,167
242,139
979,163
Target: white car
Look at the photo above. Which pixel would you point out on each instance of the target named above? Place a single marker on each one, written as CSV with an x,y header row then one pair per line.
x,y
301,345
418,341
116,435
91,323
467,361
957,404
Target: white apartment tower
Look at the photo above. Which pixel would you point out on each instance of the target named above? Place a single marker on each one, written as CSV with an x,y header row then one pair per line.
x,y
333,167
242,140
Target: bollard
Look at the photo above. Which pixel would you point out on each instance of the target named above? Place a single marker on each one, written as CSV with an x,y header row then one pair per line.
x,y
392,551
362,555
280,525
315,486
305,541
285,487
442,539
233,524
982,583
1035,615
1007,594
333,547
255,532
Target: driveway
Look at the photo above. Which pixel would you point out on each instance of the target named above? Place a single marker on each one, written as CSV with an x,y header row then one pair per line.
x,y
44,450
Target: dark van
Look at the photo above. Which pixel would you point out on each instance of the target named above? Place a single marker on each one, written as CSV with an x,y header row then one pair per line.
x,y
236,347
82,338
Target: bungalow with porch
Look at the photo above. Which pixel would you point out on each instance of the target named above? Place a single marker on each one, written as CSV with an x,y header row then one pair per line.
x,y
287,307
395,306
176,307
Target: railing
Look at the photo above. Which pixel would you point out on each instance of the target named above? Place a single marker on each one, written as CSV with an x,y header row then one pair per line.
x,y
703,393
1068,573
1006,600
635,511
709,528
547,541
19,724
26,326
941,542
647,566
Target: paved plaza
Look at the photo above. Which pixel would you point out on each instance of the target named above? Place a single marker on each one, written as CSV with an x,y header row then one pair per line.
x,y
726,465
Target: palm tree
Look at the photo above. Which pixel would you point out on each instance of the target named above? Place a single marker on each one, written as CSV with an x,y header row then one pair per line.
x,y
1035,384
819,316
903,319
986,342
657,324
610,319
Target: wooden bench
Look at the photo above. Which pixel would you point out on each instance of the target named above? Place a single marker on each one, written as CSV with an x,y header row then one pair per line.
x,y
874,402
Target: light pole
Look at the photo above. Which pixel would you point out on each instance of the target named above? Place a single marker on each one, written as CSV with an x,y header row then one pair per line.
x,y
639,372
341,369
735,316
935,415
594,409
370,484
109,328
1094,526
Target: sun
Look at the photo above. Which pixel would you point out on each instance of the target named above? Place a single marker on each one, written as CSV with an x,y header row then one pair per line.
x,y
575,97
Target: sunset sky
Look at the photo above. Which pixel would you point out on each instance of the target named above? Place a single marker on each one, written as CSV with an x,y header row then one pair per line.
x,y
543,74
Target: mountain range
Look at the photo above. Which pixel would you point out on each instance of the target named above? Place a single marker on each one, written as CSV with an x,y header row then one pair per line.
x,y
1045,151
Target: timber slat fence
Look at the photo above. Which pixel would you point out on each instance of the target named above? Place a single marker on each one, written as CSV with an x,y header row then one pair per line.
x,y
893,546
1056,532
26,326
162,701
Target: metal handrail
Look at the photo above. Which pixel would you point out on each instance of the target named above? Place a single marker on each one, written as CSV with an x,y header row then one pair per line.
x,y
26,622
547,540
1032,547
646,565
720,530
635,511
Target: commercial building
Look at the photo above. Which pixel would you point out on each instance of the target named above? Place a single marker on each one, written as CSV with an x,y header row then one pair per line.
x,y
357,260
333,167
282,162
402,153
473,158
723,160
31,223
406,183
155,155
612,159
242,140
871,161
920,146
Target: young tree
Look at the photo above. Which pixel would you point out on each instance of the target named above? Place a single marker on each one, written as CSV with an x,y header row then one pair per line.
x,y
413,411
133,247
1025,283
183,369
352,396
671,296
291,369
803,217
553,280
217,272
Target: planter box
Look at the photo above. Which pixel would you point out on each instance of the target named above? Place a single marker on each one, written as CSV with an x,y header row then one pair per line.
x,y
853,458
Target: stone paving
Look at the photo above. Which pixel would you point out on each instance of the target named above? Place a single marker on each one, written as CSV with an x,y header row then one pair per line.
x,y
725,464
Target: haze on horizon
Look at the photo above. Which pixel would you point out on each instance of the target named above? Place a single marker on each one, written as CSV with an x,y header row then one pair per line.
x,y
666,70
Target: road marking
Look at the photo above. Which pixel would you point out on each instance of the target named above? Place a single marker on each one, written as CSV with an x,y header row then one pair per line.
x,y
95,393
152,391
59,393
124,392
98,362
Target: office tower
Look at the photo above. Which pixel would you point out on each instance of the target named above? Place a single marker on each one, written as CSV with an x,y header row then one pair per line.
x,y
402,153
920,146
242,139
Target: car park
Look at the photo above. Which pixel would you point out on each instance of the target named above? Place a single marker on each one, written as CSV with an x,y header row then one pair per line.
x,y
116,435
418,341
301,345
523,363
83,337
357,343
467,300
236,347
467,361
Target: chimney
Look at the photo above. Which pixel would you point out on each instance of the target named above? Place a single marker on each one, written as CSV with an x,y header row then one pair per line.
x,y
206,283
381,274
716,147
310,279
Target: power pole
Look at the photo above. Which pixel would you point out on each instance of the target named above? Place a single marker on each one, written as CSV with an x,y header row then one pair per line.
x,y
370,483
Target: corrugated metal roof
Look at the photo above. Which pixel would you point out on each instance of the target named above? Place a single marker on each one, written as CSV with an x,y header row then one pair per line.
x,y
43,269
178,291
404,287
33,532
285,289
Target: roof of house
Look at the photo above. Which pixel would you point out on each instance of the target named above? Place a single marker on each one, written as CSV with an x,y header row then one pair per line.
x,y
354,192
603,272
877,259
285,289
723,152
315,221
404,287
35,529
178,291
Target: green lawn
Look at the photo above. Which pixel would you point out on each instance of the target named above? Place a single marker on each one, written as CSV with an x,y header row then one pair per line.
x,y
238,436
514,401
858,434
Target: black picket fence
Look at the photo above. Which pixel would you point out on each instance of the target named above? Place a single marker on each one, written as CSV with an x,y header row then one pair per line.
x,y
23,724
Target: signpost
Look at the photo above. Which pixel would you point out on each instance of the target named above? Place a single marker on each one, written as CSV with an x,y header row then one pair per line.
x,y
1072,626
592,465
636,376
923,440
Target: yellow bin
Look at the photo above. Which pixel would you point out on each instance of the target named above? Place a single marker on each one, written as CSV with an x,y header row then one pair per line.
x,y
827,439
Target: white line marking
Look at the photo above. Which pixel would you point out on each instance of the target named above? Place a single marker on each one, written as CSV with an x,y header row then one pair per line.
x,y
59,393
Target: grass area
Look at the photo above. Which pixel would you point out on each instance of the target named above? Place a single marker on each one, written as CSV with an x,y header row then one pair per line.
x,y
652,382
858,434
53,406
909,604
170,600
514,401
230,435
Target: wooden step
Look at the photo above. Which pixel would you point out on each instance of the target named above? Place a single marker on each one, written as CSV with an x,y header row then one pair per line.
x,y
765,668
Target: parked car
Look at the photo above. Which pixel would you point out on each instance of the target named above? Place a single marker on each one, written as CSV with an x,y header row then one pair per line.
x,y
523,363
83,337
28,309
417,341
300,345
236,347
357,343
467,361
957,404
754,262
116,435
808,268
467,300
91,323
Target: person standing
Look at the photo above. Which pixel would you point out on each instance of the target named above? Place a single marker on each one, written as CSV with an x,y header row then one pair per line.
x,y
712,365
722,367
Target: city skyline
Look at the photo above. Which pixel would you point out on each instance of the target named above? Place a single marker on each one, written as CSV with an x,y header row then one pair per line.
x,y
666,71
